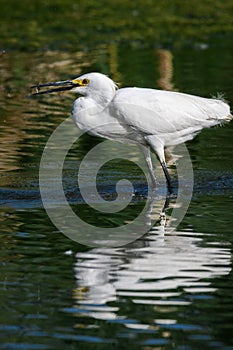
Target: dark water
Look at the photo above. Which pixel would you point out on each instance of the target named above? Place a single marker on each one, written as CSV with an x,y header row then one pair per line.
x,y
165,290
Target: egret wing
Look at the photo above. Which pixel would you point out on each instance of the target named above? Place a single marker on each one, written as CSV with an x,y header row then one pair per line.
x,y
160,112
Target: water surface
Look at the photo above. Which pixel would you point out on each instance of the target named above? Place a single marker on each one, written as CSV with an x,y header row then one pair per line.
x,y
163,291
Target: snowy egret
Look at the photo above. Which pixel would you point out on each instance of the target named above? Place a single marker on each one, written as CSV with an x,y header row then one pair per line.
x,y
155,119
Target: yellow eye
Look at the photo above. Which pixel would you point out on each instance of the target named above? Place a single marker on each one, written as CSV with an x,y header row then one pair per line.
x,y
85,81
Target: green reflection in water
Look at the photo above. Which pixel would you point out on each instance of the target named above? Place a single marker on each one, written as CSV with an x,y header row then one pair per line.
x,y
29,25
41,295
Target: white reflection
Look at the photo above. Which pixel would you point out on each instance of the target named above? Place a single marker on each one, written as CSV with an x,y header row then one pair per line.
x,y
155,270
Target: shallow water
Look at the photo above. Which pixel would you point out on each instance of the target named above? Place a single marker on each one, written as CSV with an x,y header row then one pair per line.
x,y
165,290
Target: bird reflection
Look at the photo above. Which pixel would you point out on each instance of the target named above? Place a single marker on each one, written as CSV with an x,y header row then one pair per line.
x,y
155,270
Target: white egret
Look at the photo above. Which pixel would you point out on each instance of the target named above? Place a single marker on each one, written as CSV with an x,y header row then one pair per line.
x,y
155,119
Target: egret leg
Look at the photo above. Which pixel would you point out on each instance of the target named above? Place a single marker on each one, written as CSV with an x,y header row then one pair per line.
x,y
168,178
146,152
158,148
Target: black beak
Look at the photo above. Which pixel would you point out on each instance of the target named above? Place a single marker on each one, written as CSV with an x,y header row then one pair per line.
x,y
64,85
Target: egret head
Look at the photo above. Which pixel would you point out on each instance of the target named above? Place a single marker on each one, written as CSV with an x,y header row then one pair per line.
x,y
92,83
86,84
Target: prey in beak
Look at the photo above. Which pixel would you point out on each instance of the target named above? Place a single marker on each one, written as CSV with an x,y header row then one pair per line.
x,y
57,86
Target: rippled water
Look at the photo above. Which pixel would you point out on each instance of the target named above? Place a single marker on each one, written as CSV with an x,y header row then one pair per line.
x,y
165,290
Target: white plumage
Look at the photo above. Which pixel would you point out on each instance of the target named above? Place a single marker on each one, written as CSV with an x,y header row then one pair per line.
x,y
153,118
